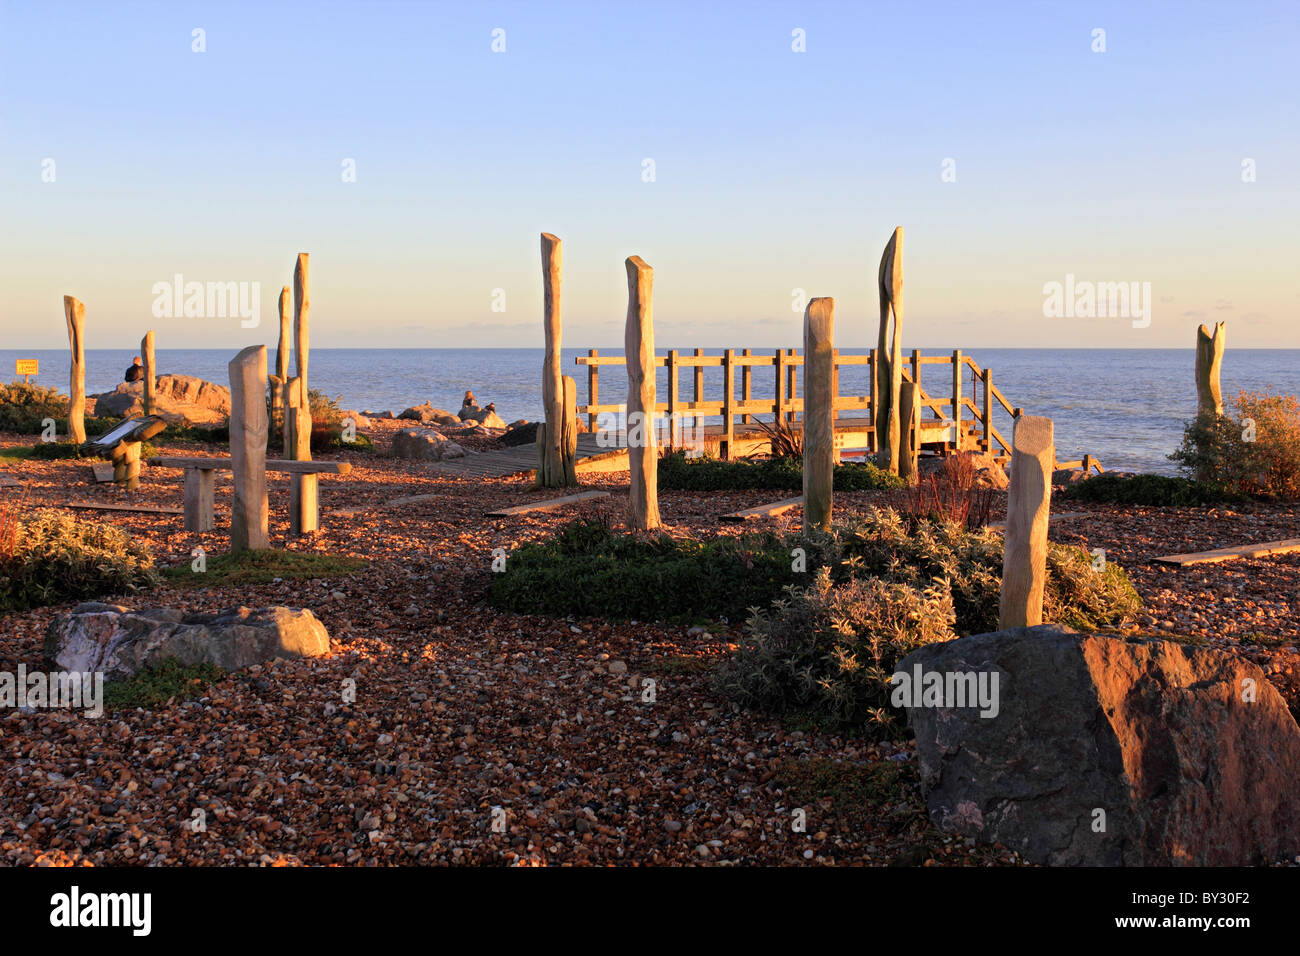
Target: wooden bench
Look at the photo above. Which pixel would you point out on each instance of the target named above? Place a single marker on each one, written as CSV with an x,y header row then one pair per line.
x,y
200,481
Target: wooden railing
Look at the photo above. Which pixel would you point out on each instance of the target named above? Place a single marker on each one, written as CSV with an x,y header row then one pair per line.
x,y
783,366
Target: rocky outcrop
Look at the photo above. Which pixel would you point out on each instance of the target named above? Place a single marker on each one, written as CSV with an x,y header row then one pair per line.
x,y
178,399
427,413
119,642
1102,751
424,444
520,433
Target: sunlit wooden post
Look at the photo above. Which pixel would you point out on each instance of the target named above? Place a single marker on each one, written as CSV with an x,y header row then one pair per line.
x,y
909,418
889,353
780,385
818,423
593,388
674,407
281,374
75,313
956,398
301,314
554,470
639,348
792,386
987,446
150,371
746,372
729,402
248,427
1209,363
1024,564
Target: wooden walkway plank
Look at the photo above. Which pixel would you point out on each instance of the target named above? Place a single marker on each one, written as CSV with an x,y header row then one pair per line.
x,y
106,506
551,504
1266,549
763,511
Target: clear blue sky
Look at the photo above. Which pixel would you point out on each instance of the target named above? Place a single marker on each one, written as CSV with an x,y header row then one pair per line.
x,y
774,170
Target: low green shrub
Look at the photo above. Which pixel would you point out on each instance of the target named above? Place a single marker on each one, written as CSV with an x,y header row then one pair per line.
x,y
677,472
1254,453
23,407
153,687
590,570
50,557
1152,490
263,567
826,652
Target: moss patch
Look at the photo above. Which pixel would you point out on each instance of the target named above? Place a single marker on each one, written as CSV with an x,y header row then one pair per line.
x,y
263,567
155,686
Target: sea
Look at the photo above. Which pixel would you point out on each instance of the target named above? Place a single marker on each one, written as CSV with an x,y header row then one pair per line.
x,y
1125,407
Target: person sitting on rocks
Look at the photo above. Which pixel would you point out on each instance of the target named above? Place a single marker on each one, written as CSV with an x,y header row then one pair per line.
x,y
469,400
135,372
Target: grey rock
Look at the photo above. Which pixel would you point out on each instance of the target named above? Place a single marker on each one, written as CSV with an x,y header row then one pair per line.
x,y
424,444
119,641
1154,734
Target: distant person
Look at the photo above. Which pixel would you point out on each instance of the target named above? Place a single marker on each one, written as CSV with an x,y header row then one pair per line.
x,y
136,372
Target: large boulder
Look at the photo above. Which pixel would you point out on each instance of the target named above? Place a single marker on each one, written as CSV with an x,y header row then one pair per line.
x,y
119,642
179,399
424,444
428,412
520,433
1100,751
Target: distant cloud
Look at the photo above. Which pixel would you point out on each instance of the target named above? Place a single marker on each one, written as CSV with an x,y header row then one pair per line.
x,y
1223,305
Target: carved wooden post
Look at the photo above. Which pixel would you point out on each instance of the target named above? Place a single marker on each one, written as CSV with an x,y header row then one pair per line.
x,y
818,408
569,443
909,418
639,348
199,498
150,371
889,354
75,313
126,464
248,426
301,311
554,468
304,514
1024,563
281,360
1209,362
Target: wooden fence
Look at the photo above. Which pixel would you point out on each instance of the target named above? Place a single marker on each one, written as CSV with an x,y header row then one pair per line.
x,y
968,417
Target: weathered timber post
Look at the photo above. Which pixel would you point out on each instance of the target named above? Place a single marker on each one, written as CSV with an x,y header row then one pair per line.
x,y
304,513
248,428
75,313
281,375
675,440
909,418
1024,562
987,446
126,464
956,398
150,371
301,312
818,409
569,435
639,348
554,469
1209,362
780,386
745,390
199,498
889,353
792,373
593,389
729,402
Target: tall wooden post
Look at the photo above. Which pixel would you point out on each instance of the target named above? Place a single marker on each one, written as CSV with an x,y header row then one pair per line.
x,y
818,408
697,393
889,354
1024,563
987,446
75,313
554,470
281,375
1209,362
674,411
729,402
780,385
792,386
593,388
956,398
301,312
909,418
150,371
639,348
746,371
248,427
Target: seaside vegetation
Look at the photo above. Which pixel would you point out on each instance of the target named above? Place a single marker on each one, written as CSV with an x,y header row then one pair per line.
x,y
263,567
49,557
1158,491
156,686
590,570
1252,452
677,472
24,407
